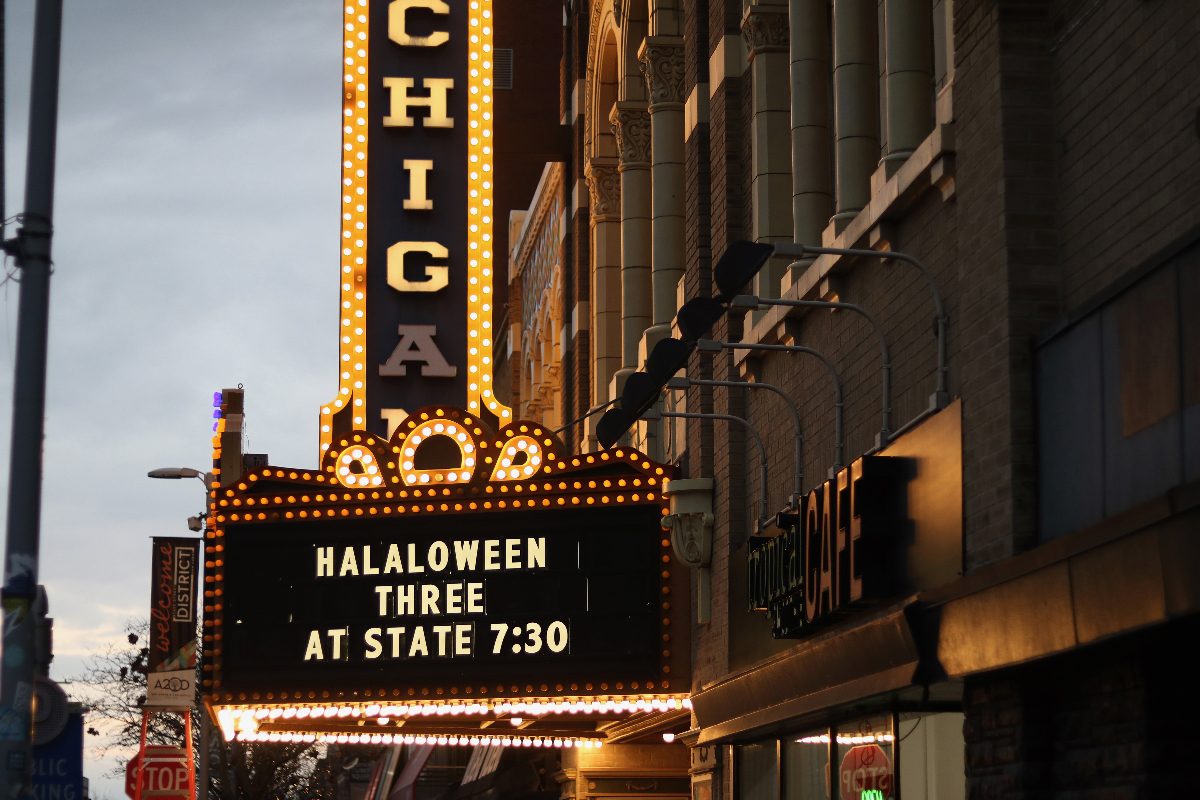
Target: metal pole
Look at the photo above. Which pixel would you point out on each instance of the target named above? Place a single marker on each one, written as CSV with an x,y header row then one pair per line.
x,y
29,403
838,405
762,450
139,780
798,438
187,737
750,301
202,772
801,251
3,174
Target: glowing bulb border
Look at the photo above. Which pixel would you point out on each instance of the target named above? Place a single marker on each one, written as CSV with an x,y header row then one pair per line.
x,y
480,211
459,740
611,478
245,723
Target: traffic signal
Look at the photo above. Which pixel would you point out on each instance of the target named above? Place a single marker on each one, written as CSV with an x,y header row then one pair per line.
x,y
737,265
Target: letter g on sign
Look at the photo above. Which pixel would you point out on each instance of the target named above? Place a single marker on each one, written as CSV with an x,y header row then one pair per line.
x,y
436,278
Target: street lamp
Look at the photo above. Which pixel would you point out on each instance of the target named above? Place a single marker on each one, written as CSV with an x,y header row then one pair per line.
x,y
195,523
176,473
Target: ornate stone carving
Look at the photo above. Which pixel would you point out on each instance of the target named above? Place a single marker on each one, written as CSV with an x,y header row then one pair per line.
x,y
691,520
765,29
604,191
661,58
591,74
691,537
631,127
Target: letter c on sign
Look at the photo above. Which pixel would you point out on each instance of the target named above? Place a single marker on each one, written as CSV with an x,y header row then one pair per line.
x,y
436,277
398,23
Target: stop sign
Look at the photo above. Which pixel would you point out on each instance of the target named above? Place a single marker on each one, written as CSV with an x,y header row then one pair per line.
x,y
866,774
166,774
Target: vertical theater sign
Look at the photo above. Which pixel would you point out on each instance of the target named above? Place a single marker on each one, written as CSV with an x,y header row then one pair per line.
x,y
445,567
416,243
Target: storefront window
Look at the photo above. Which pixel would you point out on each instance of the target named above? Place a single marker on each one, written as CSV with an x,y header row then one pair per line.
x,y
931,756
806,766
866,759
758,771
928,747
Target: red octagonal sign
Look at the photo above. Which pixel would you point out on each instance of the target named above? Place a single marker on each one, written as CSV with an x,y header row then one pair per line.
x,y
866,774
166,774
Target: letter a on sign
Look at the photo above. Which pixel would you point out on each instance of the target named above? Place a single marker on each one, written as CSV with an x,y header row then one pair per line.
x,y
417,345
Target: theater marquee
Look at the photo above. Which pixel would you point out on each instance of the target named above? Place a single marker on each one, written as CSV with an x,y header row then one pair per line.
x,y
446,568
380,589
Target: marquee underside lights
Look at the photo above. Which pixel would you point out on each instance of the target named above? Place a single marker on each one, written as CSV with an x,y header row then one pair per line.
x,y
543,724
453,740
416,258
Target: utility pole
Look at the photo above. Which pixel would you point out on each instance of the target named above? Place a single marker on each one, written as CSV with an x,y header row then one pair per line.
x,y
32,251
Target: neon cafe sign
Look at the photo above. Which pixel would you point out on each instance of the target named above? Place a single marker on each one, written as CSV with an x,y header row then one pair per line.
x,y
446,567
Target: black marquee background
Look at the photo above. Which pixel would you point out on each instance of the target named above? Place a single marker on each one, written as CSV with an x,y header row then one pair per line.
x,y
388,222
601,577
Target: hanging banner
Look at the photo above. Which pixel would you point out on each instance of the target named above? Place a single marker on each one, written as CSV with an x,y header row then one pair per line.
x,y
171,682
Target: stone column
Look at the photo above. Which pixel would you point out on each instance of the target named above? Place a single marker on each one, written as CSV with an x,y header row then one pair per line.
x,y
765,29
812,170
909,77
662,64
856,104
631,128
604,192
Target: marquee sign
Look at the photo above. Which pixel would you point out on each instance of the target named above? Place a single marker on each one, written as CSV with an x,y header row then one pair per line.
x,y
416,235
449,565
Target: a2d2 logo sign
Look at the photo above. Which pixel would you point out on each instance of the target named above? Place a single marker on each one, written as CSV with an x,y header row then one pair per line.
x,y
377,577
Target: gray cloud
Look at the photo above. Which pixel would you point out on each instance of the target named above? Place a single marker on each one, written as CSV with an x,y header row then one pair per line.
x,y
196,246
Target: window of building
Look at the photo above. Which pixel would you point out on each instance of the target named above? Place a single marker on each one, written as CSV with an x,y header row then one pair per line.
x,y
883,757
758,771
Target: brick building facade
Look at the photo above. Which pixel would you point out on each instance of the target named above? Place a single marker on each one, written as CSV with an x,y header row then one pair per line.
x,y
1041,163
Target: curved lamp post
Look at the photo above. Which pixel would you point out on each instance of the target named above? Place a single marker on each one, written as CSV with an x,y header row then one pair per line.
x,y
195,523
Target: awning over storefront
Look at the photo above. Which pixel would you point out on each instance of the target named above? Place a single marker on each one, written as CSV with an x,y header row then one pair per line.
x,y
1132,571
874,656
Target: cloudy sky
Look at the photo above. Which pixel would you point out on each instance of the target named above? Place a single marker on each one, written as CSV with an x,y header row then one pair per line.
x,y
195,247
